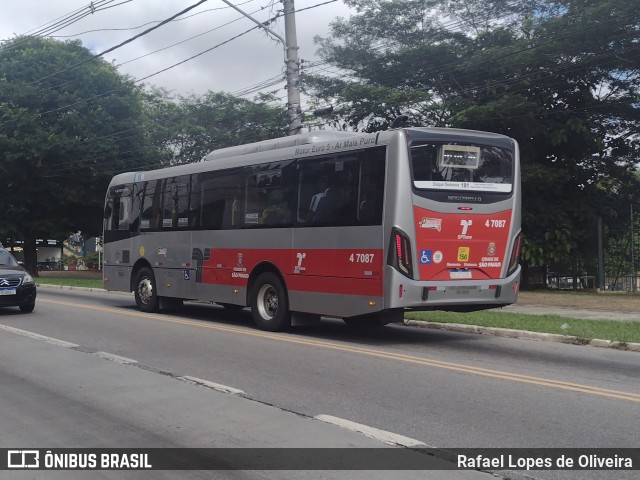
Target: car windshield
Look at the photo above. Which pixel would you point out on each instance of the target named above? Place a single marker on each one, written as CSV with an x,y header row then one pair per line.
x,y
7,259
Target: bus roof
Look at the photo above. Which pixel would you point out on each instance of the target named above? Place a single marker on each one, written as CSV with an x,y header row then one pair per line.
x,y
277,143
244,154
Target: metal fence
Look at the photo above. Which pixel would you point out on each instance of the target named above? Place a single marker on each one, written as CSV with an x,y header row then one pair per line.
x,y
541,278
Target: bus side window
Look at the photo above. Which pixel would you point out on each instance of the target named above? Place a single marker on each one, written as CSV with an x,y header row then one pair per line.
x,y
150,218
112,211
125,211
211,204
371,188
269,194
233,208
136,206
220,199
329,206
329,197
276,212
192,212
179,203
119,208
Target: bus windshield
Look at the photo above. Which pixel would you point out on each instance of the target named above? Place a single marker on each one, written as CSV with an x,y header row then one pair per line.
x,y
482,168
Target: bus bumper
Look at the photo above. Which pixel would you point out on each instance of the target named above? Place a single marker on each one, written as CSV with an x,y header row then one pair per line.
x,y
455,295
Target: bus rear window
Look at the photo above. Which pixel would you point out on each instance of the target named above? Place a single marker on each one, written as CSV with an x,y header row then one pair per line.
x,y
459,167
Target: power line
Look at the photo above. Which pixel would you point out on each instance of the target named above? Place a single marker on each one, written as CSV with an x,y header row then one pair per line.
x,y
69,19
152,22
129,40
65,21
185,40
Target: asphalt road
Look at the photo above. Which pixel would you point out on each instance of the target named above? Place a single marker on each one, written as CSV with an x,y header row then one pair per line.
x,y
443,389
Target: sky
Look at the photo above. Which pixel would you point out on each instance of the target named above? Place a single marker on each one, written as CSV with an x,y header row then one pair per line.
x,y
234,67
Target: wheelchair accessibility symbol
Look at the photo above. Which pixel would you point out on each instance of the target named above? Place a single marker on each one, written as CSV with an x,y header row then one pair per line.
x,y
425,256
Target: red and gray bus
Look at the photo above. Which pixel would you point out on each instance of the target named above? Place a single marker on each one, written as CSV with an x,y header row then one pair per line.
x,y
350,225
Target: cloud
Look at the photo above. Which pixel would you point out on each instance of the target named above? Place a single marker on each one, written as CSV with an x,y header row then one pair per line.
x,y
232,67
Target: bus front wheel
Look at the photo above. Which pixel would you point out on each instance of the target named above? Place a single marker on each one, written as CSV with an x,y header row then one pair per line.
x,y
146,293
269,304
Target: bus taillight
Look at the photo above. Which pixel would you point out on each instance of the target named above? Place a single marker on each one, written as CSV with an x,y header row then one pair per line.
x,y
400,253
515,256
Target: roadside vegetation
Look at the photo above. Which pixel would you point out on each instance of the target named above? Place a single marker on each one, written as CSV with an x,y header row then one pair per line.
x,y
71,282
583,329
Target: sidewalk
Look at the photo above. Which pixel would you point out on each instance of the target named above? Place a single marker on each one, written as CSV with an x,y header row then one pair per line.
x,y
583,305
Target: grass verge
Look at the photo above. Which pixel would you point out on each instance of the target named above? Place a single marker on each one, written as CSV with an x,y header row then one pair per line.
x,y
584,329
70,282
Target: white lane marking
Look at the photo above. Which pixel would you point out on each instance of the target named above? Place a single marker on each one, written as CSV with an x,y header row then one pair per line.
x,y
114,358
36,336
386,437
215,386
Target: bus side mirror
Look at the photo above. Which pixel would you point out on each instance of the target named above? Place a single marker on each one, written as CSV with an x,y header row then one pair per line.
x,y
107,212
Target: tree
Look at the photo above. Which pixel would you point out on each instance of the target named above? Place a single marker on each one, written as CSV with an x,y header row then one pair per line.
x,y
188,128
560,76
68,122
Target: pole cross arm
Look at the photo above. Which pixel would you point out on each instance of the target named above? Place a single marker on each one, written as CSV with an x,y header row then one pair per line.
x,y
261,25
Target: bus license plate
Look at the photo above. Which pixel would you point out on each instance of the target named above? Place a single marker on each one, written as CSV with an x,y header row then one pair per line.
x,y
464,290
8,291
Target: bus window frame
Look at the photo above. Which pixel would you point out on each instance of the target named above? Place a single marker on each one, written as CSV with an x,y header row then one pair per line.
x,y
462,195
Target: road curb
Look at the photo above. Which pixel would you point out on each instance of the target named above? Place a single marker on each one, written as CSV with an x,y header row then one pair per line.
x,y
82,289
523,334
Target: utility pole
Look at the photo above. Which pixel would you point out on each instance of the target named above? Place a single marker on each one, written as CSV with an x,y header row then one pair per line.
x,y
601,276
633,257
290,45
293,68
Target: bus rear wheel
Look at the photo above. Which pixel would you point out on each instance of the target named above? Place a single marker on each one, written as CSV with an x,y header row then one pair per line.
x,y
145,293
269,304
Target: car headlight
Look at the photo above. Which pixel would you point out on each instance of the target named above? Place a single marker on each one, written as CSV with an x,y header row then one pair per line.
x,y
27,279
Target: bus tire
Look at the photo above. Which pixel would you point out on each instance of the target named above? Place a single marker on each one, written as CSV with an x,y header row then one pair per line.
x,y
269,304
145,291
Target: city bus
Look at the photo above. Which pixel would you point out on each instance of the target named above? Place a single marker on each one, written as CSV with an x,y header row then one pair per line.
x,y
359,226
